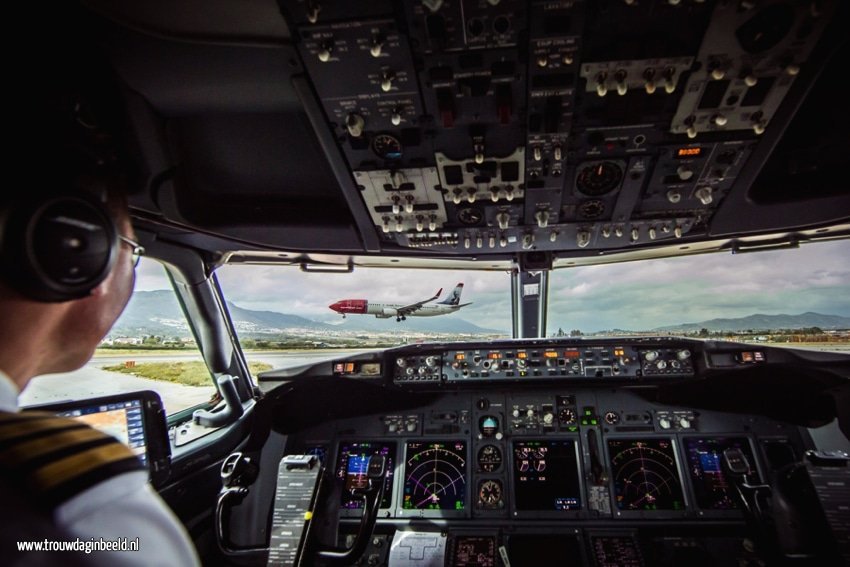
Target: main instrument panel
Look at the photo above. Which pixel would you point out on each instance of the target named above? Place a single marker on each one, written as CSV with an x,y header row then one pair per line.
x,y
490,467
509,126
542,447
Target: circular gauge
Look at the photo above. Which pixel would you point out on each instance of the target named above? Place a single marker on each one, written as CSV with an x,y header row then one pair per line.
x,y
490,494
489,458
488,425
567,416
470,216
645,474
591,209
612,418
435,476
598,178
530,458
386,146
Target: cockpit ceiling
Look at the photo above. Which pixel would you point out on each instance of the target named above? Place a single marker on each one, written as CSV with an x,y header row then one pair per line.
x,y
423,132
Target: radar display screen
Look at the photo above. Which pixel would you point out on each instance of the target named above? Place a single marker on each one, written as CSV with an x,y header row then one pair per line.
x,y
546,475
705,456
473,551
645,474
435,475
351,468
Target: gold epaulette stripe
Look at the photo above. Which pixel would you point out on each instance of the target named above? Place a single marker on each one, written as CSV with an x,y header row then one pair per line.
x,y
65,470
31,449
56,458
11,430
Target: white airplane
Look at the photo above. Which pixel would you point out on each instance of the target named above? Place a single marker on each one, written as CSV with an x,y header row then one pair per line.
x,y
400,312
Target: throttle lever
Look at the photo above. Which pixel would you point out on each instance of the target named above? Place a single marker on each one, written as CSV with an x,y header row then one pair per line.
x,y
376,475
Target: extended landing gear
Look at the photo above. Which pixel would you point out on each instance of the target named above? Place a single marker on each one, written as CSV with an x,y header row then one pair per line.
x,y
401,318
343,315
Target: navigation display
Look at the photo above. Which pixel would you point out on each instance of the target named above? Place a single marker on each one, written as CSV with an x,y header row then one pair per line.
x,y
546,475
645,474
351,468
122,420
711,488
435,475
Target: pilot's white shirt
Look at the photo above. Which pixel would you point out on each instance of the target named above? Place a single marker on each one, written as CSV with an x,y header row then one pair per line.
x,y
123,506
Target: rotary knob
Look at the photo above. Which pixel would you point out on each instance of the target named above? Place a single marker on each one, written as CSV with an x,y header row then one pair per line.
x,y
548,418
664,423
651,356
401,362
661,364
683,354
431,361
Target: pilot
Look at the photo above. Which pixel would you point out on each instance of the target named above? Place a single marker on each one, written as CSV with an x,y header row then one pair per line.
x,y
59,479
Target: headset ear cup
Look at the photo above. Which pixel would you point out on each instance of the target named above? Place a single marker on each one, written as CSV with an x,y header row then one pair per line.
x,y
59,248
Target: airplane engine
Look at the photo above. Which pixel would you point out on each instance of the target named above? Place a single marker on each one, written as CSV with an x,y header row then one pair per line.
x,y
388,312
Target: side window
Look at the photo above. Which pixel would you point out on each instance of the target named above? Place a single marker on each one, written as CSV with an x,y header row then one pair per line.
x,y
150,347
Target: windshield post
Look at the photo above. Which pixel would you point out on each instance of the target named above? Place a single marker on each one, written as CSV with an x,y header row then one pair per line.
x,y
529,296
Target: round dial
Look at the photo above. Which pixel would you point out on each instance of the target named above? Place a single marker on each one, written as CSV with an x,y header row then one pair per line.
x,y
612,418
591,209
386,146
470,216
435,476
645,475
490,494
489,458
598,178
530,458
566,416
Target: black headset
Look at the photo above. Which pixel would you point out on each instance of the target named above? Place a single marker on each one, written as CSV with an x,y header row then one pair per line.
x,y
57,247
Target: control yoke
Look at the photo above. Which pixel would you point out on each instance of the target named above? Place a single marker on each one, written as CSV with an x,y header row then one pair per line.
x,y
371,495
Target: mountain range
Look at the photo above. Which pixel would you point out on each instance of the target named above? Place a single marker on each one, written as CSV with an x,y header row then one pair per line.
x,y
760,322
158,313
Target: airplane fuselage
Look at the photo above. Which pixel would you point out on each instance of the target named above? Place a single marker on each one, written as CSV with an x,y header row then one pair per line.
x,y
386,310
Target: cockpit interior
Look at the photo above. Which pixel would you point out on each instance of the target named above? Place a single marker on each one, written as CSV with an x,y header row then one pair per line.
x,y
495,135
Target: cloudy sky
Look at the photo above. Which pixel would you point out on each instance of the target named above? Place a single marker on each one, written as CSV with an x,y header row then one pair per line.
x,y
636,295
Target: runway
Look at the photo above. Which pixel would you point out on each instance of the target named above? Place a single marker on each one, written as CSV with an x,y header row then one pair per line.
x,y
92,381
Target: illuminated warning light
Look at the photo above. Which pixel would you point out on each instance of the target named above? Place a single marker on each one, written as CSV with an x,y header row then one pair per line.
x,y
688,152
619,352
349,367
550,354
522,355
747,357
494,355
460,356
571,353
338,368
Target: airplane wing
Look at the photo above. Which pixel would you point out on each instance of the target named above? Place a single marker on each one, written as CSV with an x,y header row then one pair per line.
x,y
408,309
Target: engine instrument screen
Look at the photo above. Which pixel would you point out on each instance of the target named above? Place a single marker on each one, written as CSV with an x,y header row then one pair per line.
x,y
711,488
435,475
473,551
645,474
546,475
352,464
